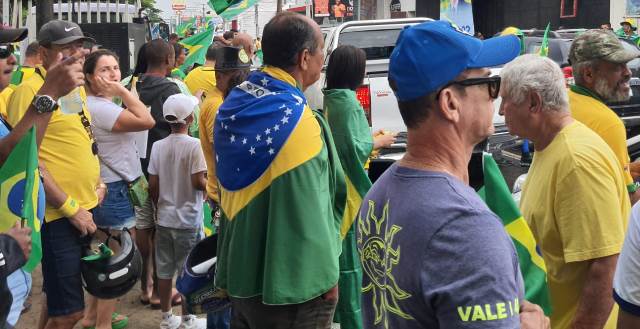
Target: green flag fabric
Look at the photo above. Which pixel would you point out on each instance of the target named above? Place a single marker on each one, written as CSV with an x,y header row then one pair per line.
x,y
544,48
498,197
354,143
229,9
19,199
183,27
197,45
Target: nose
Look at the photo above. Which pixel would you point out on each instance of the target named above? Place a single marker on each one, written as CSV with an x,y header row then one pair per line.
x,y
12,60
501,109
626,72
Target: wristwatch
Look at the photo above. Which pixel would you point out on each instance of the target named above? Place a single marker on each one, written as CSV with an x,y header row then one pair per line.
x,y
44,104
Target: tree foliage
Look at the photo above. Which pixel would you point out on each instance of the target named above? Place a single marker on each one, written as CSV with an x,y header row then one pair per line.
x,y
152,12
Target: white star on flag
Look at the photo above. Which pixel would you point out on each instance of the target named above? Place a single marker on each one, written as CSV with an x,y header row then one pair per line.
x,y
216,158
244,141
264,81
233,117
252,150
269,140
271,151
285,120
267,131
288,111
276,127
233,138
258,137
282,106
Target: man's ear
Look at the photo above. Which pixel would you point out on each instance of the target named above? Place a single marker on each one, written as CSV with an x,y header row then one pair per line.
x,y
448,105
303,59
535,102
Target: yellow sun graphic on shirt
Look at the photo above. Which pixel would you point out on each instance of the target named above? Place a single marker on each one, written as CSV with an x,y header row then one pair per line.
x,y
378,257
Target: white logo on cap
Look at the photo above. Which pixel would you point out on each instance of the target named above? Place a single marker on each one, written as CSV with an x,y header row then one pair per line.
x,y
67,29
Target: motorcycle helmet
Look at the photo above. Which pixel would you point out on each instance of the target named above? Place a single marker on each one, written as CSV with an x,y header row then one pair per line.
x,y
197,280
109,275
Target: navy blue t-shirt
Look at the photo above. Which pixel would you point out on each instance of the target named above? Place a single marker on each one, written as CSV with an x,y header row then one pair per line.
x,y
434,256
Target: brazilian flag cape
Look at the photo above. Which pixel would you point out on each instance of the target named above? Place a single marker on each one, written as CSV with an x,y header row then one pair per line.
x,y
534,272
280,178
352,136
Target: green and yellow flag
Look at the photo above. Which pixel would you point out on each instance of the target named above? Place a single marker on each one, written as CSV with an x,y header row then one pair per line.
x,y
352,137
182,29
197,45
19,197
544,48
229,9
498,197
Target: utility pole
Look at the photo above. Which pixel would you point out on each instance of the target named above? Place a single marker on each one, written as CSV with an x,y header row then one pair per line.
x,y
278,6
257,23
44,12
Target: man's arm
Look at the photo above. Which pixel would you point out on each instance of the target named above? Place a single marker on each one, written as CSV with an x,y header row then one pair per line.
x,y
596,302
628,320
199,181
154,188
63,77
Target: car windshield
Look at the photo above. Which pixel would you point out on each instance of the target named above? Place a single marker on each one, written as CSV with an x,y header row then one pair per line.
x,y
558,49
377,44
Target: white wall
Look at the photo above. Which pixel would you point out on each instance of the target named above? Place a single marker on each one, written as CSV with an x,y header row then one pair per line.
x,y
617,12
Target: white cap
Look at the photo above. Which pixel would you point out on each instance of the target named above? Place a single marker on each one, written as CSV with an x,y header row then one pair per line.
x,y
178,107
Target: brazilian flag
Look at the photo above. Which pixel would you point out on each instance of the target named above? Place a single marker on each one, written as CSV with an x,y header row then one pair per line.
x,y
497,196
229,9
197,45
282,193
352,136
21,194
544,48
182,29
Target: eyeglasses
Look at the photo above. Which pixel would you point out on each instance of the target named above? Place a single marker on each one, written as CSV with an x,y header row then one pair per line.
x,y
6,51
493,85
87,127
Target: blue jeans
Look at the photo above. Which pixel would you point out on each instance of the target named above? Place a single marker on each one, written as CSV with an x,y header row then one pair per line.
x,y
116,211
19,282
219,320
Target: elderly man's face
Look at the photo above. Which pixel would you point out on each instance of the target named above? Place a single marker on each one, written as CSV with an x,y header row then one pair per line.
x,y
514,114
314,62
6,67
612,81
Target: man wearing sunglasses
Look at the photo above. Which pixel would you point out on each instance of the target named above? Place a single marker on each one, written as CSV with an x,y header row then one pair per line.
x,y
574,198
72,176
66,75
433,254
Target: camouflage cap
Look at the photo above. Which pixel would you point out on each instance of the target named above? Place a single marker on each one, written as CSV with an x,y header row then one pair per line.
x,y
600,44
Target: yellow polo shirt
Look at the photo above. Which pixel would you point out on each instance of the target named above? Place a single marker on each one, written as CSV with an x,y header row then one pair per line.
x,y
603,121
577,207
208,111
65,150
201,78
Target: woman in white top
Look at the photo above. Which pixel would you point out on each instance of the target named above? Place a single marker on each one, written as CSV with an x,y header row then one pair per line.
x,y
115,129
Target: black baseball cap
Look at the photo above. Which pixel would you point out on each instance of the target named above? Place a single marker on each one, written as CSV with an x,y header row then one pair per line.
x,y
232,58
10,35
58,32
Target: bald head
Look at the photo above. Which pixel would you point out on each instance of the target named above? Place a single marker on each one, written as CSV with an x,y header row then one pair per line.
x,y
243,40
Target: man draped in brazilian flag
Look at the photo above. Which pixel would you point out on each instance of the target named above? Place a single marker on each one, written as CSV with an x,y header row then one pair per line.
x,y
280,178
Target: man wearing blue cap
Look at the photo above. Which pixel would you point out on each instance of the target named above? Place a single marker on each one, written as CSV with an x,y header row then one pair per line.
x,y
433,254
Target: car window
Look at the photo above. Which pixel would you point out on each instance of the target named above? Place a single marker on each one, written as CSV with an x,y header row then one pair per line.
x,y
377,44
634,65
558,49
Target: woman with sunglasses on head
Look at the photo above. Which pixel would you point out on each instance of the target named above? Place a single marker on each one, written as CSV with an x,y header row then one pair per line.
x,y
115,130
354,142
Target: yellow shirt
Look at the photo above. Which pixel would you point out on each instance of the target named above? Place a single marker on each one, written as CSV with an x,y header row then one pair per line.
x,y
208,111
201,78
66,148
5,96
577,207
604,122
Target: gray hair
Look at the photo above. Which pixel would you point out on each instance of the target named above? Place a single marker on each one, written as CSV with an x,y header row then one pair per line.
x,y
533,73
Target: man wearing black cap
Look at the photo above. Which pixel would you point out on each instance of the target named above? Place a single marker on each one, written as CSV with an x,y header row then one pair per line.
x,y
231,69
69,154
67,75
433,254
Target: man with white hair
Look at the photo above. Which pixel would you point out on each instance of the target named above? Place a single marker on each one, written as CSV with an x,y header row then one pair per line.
x,y
574,198
601,74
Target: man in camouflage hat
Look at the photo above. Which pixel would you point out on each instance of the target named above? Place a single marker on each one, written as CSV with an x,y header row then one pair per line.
x,y
599,63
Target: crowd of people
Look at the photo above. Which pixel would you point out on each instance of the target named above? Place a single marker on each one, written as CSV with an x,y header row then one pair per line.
x,y
303,236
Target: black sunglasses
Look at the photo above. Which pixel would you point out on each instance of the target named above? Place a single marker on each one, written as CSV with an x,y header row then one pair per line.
x,y
493,85
6,51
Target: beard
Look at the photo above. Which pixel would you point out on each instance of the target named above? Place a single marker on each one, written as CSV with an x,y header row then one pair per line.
x,y
612,94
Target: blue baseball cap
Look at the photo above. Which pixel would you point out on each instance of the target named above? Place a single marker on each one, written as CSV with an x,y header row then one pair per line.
x,y
427,56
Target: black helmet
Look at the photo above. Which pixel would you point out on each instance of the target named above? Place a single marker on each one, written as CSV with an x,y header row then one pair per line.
x,y
197,280
110,275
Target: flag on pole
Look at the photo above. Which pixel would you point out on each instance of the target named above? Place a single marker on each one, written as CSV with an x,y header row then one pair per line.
x,y
544,48
498,197
182,29
229,9
197,46
19,193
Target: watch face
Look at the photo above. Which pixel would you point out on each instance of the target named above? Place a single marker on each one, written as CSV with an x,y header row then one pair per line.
x,y
44,104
